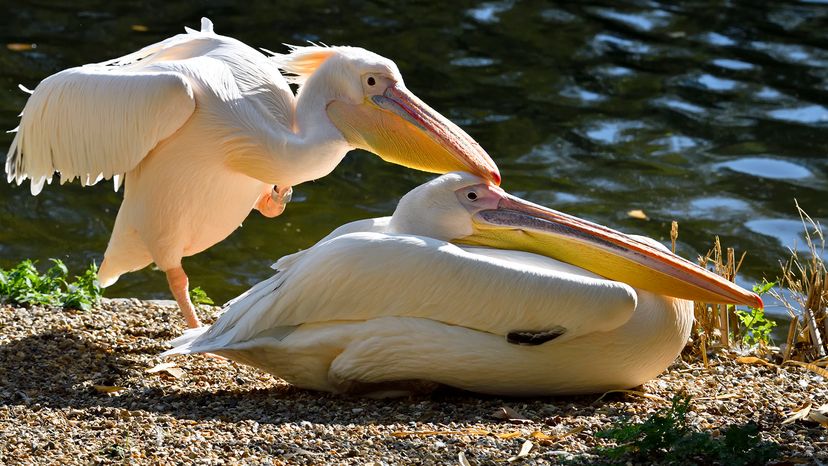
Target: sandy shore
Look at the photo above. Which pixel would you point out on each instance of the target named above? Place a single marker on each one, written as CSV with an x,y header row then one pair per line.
x,y
57,367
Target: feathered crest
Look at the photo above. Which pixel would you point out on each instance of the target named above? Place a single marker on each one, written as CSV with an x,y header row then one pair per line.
x,y
302,61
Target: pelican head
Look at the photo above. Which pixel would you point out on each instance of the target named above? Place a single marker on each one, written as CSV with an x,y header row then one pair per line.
x,y
367,101
466,209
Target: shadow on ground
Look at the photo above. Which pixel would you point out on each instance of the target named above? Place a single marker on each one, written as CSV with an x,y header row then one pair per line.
x,y
58,369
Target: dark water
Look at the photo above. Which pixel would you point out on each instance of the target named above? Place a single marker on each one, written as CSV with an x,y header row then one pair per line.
x,y
712,113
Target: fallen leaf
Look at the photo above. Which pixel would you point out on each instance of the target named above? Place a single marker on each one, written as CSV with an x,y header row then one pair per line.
x,y
538,435
299,451
810,367
506,413
17,47
638,213
523,453
176,372
108,388
160,367
461,458
820,415
426,433
754,360
168,367
798,413
139,28
807,413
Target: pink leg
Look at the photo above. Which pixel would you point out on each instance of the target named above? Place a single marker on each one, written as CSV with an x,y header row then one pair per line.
x,y
273,201
180,287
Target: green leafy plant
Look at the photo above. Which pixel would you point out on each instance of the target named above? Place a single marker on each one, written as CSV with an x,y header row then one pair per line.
x,y
199,296
756,328
23,284
666,437
654,436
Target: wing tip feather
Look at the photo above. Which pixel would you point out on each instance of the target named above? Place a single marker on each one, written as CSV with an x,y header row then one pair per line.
x,y
37,186
207,26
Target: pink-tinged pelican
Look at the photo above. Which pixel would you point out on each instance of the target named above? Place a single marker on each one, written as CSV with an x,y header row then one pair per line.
x,y
468,286
201,129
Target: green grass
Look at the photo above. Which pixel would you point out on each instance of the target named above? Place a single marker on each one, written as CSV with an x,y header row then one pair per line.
x,y
23,284
667,438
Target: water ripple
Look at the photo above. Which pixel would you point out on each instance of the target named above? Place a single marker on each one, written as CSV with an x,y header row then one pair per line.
x,y
614,71
808,114
718,206
558,15
736,65
679,105
604,41
612,132
473,62
790,53
715,83
767,168
769,93
489,12
714,38
582,94
675,144
789,233
643,21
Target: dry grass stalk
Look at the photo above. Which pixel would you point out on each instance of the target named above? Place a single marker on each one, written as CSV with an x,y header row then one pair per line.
x,y
791,341
717,323
703,350
807,303
673,235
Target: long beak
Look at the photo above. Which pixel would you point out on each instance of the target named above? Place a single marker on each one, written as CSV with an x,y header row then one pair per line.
x,y
518,224
402,129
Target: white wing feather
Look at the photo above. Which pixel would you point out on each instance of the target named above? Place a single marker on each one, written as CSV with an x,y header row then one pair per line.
x,y
93,123
348,279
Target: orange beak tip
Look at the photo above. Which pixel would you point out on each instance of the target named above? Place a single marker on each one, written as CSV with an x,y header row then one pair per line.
x,y
495,176
758,304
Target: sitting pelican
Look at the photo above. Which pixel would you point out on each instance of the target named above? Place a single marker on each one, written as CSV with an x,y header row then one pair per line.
x,y
467,286
202,128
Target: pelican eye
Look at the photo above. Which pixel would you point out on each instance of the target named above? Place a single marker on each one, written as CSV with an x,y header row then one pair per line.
x,y
371,81
471,195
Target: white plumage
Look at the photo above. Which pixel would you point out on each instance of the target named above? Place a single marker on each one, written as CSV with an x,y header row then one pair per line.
x,y
202,128
371,305
100,120
158,104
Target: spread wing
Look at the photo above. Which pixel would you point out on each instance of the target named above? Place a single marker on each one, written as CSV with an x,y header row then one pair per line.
x,y
367,275
92,122
100,120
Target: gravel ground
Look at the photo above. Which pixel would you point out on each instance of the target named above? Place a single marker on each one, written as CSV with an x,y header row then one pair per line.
x,y
56,367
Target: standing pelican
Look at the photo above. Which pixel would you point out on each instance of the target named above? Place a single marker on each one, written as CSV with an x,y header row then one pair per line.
x,y
201,128
468,286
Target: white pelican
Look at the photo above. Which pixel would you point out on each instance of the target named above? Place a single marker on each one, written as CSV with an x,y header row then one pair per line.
x,y
201,128
445,291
